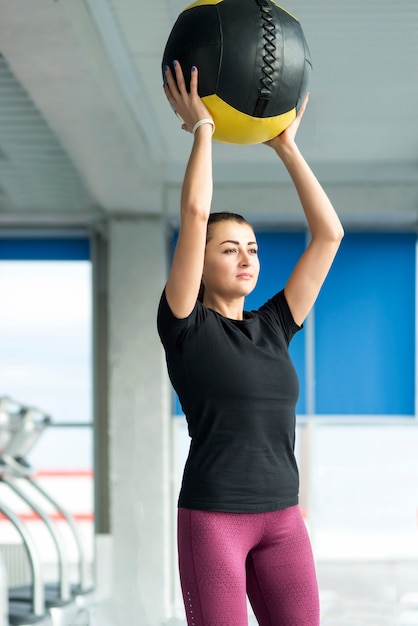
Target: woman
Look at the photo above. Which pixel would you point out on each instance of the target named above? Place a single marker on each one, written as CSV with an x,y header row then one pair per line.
x,y
240,530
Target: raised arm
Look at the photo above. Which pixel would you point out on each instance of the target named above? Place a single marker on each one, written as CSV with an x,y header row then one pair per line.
x,y
183,282
325,227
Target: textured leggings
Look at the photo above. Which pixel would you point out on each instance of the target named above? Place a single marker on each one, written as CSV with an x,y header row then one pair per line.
x,y
224,557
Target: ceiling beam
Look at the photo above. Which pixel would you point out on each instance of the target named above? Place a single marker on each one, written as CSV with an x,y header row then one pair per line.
x,y
98,31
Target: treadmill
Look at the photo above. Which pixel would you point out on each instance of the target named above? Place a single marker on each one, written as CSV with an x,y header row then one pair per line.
x,y
67,603
33,612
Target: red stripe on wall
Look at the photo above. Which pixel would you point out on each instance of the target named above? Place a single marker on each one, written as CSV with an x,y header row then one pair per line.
x,y
32,517
64,473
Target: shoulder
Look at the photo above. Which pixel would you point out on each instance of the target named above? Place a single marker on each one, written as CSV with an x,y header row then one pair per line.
x,y
277,312
171,327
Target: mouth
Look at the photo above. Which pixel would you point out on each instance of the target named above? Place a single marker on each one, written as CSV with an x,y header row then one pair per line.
x,y
245,275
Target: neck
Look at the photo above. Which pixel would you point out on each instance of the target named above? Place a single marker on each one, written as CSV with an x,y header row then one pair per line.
x,y
234,309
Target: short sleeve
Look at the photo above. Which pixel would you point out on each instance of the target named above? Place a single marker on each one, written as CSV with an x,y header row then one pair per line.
x,y
277,311
172,330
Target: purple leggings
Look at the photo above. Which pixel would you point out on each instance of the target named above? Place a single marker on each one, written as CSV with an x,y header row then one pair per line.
x,y
224,557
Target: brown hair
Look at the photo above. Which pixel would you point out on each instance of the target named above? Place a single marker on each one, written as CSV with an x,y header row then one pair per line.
x,y
215,218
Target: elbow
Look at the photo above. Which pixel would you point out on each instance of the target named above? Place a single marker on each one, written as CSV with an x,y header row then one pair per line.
x,y
336,236
336,232
196,211
332,235
339,234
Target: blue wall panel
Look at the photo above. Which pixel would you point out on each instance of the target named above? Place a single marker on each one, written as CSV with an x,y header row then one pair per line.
x,y
365,327
44,249
364,321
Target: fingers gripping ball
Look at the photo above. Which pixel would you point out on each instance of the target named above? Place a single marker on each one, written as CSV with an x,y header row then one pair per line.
x,y
253,61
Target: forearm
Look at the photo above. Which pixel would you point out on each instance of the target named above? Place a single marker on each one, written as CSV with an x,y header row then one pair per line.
x,y
322,219
197,189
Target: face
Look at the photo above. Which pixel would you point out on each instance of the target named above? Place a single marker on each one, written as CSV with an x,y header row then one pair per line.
x,y
231,264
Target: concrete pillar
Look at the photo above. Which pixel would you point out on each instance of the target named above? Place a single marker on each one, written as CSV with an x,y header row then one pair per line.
x,y
138,427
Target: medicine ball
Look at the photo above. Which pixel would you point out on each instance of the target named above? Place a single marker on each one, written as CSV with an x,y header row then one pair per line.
x,y
253,62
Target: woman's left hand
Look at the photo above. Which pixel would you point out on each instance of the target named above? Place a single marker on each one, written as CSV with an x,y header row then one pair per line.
x,y
286,138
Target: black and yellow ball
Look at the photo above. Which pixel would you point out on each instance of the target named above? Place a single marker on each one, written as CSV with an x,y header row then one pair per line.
x,y
253,62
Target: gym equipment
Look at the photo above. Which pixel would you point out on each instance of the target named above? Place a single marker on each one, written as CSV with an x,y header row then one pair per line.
x,y
253,62
61,606
81,591
33,612
65,602
4,600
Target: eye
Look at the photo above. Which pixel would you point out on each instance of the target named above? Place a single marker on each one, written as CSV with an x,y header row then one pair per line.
x,y
253,251
230,251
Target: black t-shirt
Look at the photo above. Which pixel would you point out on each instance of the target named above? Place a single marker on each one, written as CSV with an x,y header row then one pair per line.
x,y
238,389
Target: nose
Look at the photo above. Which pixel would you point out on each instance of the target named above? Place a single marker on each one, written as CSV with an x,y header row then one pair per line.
x,y
245,259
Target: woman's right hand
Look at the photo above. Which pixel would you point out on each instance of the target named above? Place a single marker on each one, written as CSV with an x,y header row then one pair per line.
x,y
187,105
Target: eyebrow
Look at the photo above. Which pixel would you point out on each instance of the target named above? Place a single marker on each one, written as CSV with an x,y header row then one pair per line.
x,y
250,243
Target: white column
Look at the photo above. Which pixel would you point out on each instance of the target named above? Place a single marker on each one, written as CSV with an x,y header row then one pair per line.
x,y
138,427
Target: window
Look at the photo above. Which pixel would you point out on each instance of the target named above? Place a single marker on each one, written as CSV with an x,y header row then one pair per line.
x,y
45,339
